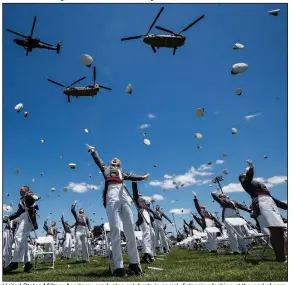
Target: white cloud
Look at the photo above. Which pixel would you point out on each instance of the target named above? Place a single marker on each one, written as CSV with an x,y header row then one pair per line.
x,y
219,161
144,126
157,197
81,187
249,117
180,211
187,179
233,187
151,116
167,176
269,183
204,167
277,179
7,208
147,198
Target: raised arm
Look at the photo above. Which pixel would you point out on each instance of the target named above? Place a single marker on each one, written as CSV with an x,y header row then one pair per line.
x,y
62,220
134,177
45,227
166,218
249,174
242,207
73,225
73,211
280,204
222,202
99,162
197,207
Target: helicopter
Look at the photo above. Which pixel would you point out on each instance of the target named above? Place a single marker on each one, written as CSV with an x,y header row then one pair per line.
x,y
175,40
29,43
90,90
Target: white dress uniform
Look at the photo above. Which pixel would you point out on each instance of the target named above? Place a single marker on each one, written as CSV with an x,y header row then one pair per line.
x,y
146,234
7,244
160,232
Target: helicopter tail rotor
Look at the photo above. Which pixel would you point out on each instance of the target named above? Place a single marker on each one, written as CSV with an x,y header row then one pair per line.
x,y
58,47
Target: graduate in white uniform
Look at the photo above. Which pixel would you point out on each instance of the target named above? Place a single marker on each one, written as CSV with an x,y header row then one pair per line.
x,y
210,221
81,233
7,243
51,232
117,203
265,209
144,222
27,219
68,240
159,229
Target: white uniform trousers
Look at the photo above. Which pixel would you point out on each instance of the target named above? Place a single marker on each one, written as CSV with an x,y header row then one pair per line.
x,y
153,237
22,233
7,246
49,247
160,233
212,237
146,238
118,209
81,242
67,246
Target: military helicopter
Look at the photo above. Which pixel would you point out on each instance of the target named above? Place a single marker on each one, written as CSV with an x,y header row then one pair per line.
x,y
90,90
29,43
175,40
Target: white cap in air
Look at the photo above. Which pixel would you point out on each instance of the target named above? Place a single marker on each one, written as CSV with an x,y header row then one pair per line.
x,y
238,91
234,131
18,107
86,130
225,171
198,136
53,189
146,142
87,60
128,89
238,46
72,165
239,68
274,12
42,141
25,114
199,112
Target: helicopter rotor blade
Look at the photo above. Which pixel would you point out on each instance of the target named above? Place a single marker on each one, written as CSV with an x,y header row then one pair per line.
x,y
52,81
76,81
155,19
94,75
193,23
101,86
33,26
132,38
165,30
18,34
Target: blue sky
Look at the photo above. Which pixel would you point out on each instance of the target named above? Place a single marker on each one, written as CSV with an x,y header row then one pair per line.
x,y
171,87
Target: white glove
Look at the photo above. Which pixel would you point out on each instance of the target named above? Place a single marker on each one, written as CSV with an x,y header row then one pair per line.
x,y
194,194
89,148
5,219
172,224
146,176
75,202
249,162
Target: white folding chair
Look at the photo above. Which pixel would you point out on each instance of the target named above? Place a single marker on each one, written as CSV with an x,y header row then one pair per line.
x,y
234,222
36,253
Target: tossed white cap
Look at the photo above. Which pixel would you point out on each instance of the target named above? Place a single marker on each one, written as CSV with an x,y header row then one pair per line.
x,y
18,107
87,60
238,46
199,112
72,165
25,114
274,12
86,130
234,131
199,147
53,189
238,91
224,155
128,89
265,157
65,189
16,171
42,141
146,142
239,68
225,171
198,136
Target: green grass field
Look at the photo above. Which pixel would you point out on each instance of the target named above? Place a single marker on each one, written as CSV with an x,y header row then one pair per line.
x,y
179,265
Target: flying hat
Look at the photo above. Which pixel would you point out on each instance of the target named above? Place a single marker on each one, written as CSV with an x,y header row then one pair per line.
x,y
239,68
238,46
234,131
146,142
198,136
199,112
